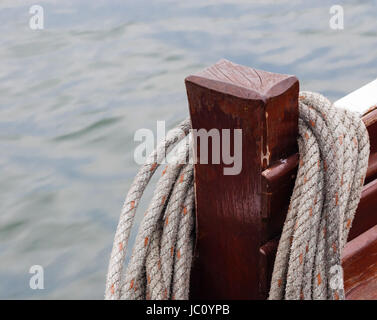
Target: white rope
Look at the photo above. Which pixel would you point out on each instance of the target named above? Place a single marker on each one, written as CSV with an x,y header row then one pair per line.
x,y
160,264
334,151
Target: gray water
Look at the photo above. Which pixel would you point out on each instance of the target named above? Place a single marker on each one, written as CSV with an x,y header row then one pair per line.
x,y
72,96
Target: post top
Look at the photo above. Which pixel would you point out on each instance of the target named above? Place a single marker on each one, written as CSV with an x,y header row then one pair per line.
x,y
241,81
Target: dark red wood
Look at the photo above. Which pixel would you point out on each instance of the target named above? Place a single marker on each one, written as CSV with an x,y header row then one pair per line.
x,y
230,228
360,266
366,213
278,182
370,120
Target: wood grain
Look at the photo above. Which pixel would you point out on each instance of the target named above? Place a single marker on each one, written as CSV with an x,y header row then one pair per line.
x,y
360,266
228,208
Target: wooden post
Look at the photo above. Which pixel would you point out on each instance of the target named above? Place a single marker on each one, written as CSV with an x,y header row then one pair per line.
x,y
232,217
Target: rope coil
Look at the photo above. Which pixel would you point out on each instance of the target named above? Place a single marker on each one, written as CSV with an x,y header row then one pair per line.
x,y
334,152
161,261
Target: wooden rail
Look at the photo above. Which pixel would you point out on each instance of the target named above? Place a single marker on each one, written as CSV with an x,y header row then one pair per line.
x,y
240,217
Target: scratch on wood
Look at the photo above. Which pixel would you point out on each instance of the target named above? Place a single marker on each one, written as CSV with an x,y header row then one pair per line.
x,y
266,156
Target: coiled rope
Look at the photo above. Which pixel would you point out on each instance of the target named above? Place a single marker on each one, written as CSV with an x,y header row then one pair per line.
x,y
160,265
334,151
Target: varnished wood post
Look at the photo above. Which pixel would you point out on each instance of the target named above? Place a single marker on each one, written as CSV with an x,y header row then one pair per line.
x,y
231,209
